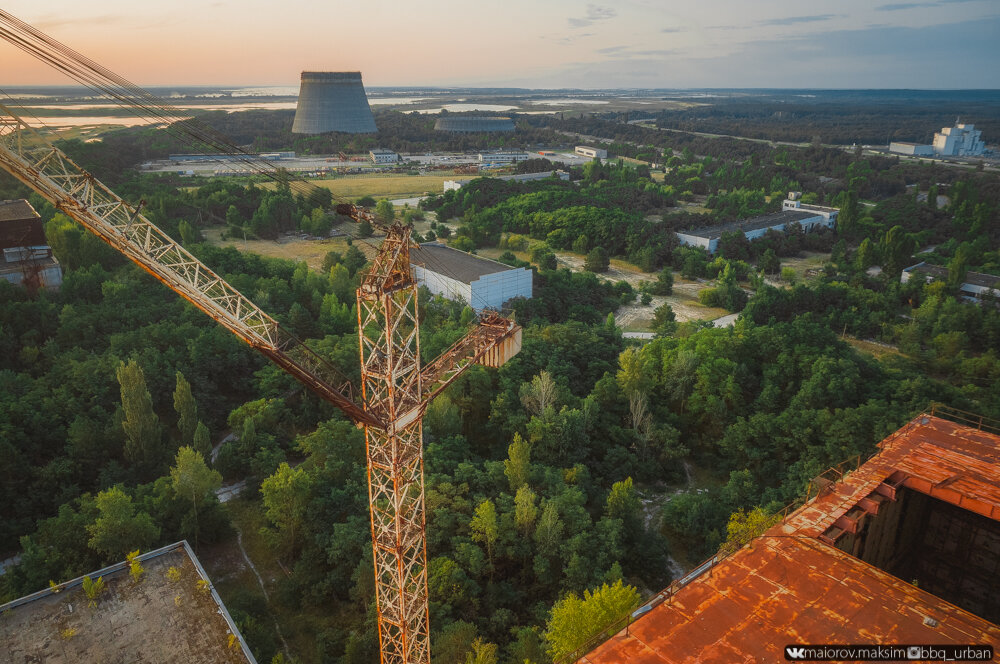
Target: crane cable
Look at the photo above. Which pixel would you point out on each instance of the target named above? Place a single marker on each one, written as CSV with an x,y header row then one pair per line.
x,y
194,133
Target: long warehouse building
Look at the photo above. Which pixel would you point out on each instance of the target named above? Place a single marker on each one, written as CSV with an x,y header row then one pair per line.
x,y
479,282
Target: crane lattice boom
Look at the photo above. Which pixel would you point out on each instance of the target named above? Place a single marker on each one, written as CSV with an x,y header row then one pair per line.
x,y
395,389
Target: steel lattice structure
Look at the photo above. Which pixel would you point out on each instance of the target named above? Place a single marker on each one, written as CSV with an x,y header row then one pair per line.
x,y
395,389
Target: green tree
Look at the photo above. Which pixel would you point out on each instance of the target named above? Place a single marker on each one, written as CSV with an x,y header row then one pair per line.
x,y
482,653
548,532
143,435
118,528
517,467
193,480
201,441
597,260
189,234
664,284
743,527
354,260
573,620
525,510
385,211
286,494
93,589
768,262
233,217
788,275
484,526
187,410
364,228
539,394
623,503
866,256
664,321
581,244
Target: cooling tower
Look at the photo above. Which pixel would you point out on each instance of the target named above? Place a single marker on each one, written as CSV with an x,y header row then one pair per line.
x,y
473,123
333,101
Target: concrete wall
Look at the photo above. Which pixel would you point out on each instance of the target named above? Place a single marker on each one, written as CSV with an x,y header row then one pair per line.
x,y
695,241
441,285
493,290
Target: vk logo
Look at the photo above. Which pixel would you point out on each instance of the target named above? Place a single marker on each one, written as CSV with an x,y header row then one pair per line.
x,y
794,653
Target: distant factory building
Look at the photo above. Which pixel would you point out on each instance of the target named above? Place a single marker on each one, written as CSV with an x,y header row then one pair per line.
x,y
809,217
593,153
522,177
503,157
975,287
383,156
468,124
962,140
223,157
479,282
333,101
913,149
26,258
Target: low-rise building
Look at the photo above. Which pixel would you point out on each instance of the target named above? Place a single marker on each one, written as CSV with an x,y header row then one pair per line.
x,y
25,256
503,157
901,549
912,149
521,177
975,286
593,153
809,217
457,275
383,156
170,613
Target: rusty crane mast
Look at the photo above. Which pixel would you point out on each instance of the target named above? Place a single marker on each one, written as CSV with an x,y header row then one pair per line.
x,y
395,389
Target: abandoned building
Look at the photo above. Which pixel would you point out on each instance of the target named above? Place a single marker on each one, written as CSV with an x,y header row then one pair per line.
x,y
26,256
903,549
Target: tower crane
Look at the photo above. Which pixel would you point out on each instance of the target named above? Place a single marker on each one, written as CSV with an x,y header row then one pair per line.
x,y
395,388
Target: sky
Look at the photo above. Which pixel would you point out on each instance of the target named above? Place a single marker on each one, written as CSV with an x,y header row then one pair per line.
x,y
933,44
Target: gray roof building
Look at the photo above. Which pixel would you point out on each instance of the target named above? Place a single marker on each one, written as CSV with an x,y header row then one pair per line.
x,y
456,264
746,225
479,282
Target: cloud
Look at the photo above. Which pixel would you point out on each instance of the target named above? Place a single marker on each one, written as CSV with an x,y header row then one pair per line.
x,y
795,20
594,13
904,5
610,49
672,30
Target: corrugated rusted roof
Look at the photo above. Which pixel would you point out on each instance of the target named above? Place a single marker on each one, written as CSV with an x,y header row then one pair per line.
x,y
790,587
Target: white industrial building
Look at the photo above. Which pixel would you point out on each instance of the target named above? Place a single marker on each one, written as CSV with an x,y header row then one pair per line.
x,y
383,156
593,153
913,149
503,157
809,217
479,282
976,286
962,140
522,177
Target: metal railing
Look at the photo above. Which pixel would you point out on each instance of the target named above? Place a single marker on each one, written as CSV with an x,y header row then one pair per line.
x,y
964,417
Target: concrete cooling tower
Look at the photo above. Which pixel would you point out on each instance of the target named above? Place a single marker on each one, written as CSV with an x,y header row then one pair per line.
x,y
467,124
333,101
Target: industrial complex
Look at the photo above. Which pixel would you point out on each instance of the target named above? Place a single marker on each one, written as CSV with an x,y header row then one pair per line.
x,y
962,140
904,549
975,286
809,217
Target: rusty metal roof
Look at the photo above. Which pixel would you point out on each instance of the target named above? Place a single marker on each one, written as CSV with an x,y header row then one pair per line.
x,y
789,586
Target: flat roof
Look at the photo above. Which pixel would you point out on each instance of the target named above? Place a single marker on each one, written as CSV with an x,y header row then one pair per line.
x,y
453,263
152,621
789,586
974,278
753,224
17,210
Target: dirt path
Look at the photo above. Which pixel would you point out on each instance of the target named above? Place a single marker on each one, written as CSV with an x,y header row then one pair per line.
x,y
253,568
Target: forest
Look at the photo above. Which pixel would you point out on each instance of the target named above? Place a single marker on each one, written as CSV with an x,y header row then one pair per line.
x,y
546,479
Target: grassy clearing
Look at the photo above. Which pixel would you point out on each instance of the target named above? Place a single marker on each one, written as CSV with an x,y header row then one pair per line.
x,y
383,185
878,351
293,249
808,261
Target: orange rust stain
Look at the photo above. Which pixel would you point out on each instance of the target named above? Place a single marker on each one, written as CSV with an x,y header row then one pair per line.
x,y
790,587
